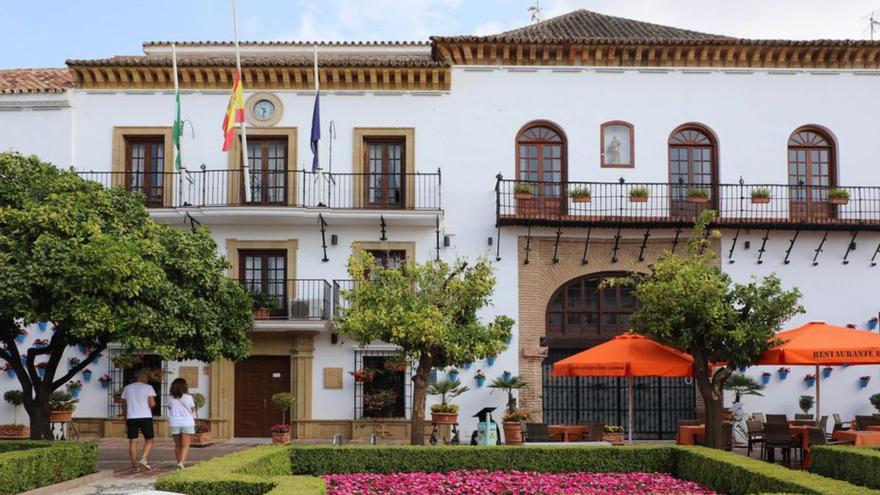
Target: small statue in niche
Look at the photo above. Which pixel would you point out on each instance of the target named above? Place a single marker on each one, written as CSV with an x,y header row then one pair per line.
x,y
612,151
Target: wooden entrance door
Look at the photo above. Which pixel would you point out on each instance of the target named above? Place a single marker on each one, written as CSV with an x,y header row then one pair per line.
x,y
257,379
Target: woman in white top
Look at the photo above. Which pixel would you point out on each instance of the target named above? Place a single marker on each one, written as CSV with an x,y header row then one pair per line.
x,y
181,407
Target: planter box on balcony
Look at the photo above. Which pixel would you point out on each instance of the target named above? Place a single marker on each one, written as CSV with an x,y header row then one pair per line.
x,y
522,195
699,199
838,201
638,199
760,201
262,314
581,200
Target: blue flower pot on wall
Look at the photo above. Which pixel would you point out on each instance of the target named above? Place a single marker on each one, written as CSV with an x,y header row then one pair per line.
x,y
826,372
105,385
783,374
42,325
742,369
490,360
74,392
509,340
10,373
467,365
864,382
20,338
506,376
87,375
82,348
453,375
810,382
872,324
41,372
480,380
765,379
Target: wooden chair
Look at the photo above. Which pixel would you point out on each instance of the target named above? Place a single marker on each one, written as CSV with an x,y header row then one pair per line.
x,y
823,425
778,436
777,419
755,431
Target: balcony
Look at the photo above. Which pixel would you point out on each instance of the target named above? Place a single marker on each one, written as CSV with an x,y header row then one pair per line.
x,y
296,304
340,285
276,195
761,206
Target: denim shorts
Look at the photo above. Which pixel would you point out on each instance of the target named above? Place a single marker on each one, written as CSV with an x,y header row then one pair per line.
x,y
189,430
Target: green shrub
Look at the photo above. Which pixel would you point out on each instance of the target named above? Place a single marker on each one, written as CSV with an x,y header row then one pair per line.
x,y
859,466
735,474
27,465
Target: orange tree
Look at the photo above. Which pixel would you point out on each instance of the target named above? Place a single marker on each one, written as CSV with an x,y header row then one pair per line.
x,y
429,310
92,262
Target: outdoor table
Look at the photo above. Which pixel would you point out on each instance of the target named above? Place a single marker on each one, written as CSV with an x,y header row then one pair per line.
x,y
690,435
566,431
873,427
859,438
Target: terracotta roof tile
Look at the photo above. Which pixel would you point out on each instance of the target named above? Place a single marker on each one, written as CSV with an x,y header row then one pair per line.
x,y
289,43
23,81
270,60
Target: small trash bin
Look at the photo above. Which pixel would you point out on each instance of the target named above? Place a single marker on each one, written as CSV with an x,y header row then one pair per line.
x,y
487,428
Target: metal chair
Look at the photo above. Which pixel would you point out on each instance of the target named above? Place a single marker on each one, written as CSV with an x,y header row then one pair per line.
x,y
803,416
777,419
537,432
817,437
778,436
755,433
759,417
839,424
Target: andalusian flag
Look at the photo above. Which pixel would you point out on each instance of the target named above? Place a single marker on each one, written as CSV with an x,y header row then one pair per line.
x,y
234,112
177,129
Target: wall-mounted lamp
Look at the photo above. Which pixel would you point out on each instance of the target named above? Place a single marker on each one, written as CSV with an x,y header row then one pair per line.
x,y
334,239
334,338
542,341
446,241
747,245
489,241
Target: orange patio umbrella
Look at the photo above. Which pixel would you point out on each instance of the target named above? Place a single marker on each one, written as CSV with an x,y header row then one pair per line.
x,y
627,355
819,344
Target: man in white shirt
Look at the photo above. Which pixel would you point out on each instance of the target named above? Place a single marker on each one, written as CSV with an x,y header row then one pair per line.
x,y
138,401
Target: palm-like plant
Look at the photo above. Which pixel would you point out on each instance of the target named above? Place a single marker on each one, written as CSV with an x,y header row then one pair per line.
x,y
742,384
509,385
447,390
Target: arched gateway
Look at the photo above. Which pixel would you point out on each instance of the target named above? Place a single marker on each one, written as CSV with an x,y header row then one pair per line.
x,y
583,313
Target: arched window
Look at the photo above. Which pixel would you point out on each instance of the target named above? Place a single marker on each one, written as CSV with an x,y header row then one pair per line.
x,y
541,157
582,312
811,169
693,170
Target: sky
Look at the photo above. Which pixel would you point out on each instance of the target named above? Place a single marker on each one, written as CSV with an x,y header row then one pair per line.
x,y
45,33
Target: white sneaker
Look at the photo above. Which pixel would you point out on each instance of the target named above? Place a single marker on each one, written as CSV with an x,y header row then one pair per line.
x,y
144,464
180,466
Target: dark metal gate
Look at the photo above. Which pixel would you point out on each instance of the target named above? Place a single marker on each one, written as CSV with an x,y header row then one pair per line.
x,y
659,402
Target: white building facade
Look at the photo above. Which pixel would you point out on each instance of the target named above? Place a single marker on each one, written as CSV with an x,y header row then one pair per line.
x,y
429,142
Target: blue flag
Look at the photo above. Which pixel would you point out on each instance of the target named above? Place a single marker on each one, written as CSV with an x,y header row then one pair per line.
x,y
316,132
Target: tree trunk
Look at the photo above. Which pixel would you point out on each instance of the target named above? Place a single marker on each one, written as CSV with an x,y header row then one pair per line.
x,y
713,399
420,396
39,411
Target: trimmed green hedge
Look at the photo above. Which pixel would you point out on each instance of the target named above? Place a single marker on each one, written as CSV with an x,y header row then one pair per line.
x,y
268,469
27,465
857,465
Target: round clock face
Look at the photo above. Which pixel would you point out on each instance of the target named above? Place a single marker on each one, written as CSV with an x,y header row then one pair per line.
x,y
264,109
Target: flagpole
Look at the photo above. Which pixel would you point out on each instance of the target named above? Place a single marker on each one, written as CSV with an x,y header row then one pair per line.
x,y
178,159
320,169
244,158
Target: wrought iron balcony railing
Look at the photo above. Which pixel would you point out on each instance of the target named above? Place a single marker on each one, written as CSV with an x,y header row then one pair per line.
x,y
605,204
340,285
290,299
282,188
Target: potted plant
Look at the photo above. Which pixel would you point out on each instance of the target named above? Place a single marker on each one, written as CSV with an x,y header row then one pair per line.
x,y
809,380
741,384
283,401
117,396
480,378
378,404
396,364
760,195
580,194
512,422
363,375
445,413
872,323
638,194
21,334
783,372
41,343
875,401
838,196
452,374
15,430
765,377
613,435
104,381
698,195
73,361
490,361
805,403
74,388
41,369
87,374
512,429
864,381
10,371
263,304
826,371
467,365
506,375
42,325
62,405
280,434
523,191
203,436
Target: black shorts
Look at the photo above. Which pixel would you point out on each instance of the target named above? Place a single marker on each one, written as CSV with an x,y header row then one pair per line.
x,y
145,425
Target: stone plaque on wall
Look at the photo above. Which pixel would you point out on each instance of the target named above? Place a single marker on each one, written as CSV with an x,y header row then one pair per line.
x,y
190,374
333,378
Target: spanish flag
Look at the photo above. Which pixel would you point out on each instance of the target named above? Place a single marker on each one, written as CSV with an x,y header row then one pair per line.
x,y
234,112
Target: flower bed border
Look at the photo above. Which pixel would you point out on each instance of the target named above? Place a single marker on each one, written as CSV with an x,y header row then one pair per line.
x,y
28,465
294,470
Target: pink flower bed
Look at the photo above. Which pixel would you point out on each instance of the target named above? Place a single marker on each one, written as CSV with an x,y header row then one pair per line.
x,y
510,483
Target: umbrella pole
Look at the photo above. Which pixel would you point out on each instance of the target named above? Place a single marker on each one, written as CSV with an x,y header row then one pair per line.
x,y
631,407
818,382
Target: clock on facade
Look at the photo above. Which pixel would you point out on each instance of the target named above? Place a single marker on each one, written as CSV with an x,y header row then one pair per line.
x,y
264,109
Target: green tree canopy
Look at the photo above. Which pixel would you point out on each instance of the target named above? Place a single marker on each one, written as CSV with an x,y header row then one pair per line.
x,y
430,310
92,262
689,303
